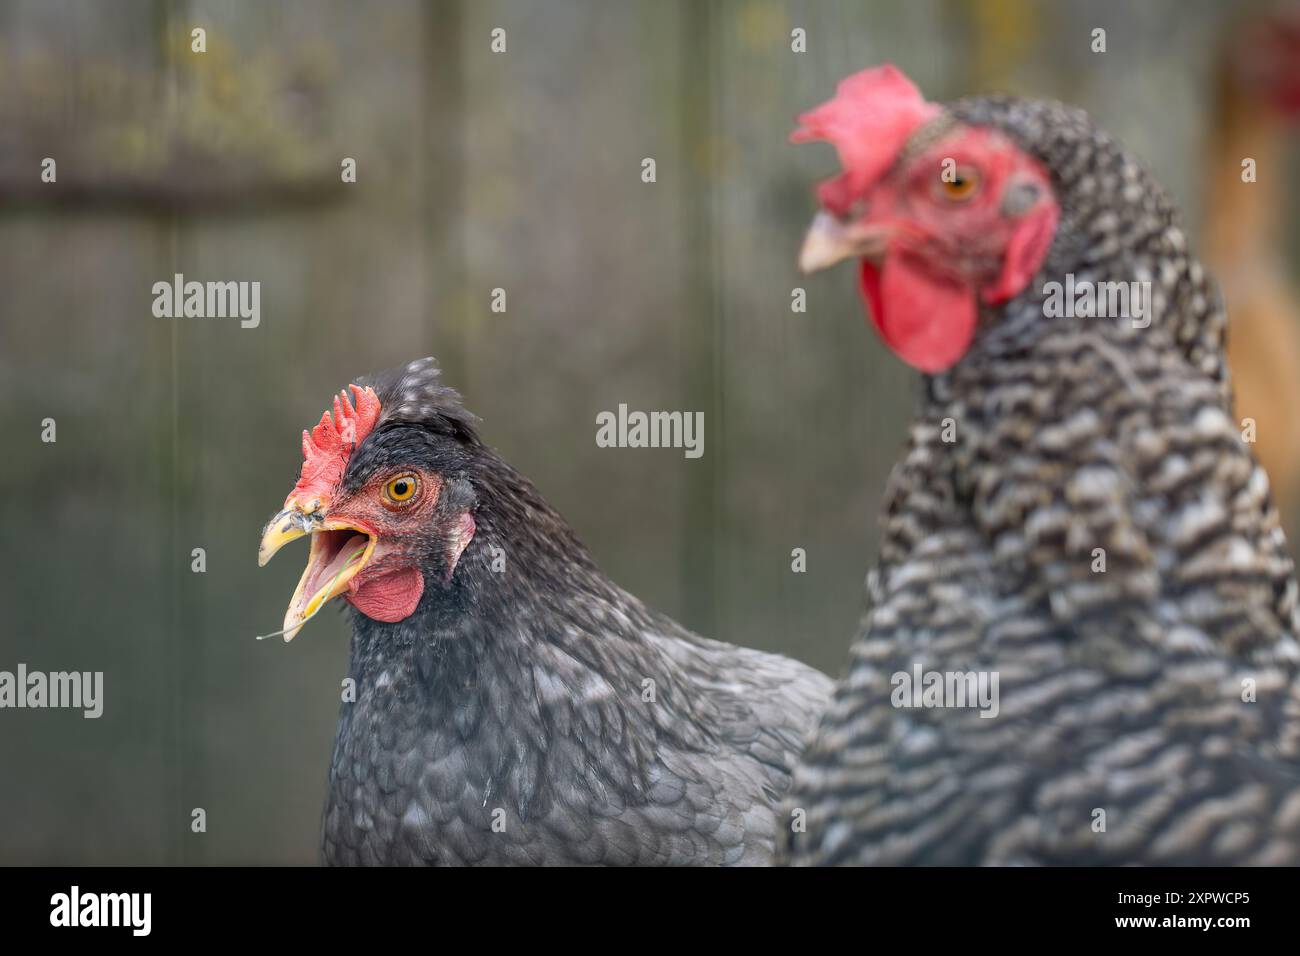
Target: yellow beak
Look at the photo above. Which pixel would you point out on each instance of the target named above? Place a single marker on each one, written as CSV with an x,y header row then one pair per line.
x,y
338,551
830,240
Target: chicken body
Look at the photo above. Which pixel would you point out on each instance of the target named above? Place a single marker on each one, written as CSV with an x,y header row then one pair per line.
x,y
460,752
1077,514
530,711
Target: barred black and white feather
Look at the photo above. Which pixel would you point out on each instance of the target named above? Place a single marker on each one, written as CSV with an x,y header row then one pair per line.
x,y
1149,713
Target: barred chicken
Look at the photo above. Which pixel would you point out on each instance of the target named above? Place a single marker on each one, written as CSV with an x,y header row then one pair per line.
x,y
1076,523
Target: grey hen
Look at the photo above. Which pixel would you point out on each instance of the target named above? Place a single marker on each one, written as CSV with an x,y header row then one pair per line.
x,y
513,705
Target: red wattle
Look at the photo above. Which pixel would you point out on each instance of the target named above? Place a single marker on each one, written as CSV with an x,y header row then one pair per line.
x,y
389,597
926,320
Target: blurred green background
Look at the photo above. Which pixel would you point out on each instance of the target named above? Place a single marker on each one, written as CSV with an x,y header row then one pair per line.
x,y
476,170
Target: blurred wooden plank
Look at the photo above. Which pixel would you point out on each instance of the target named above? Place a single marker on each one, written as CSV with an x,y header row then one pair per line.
x,y
704,359
591,259
83,593
226,132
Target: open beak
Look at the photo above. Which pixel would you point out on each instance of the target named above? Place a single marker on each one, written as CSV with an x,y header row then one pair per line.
x,y
830,240
338,551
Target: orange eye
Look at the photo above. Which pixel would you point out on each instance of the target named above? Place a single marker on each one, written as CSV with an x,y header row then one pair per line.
x,y
401,489
961,185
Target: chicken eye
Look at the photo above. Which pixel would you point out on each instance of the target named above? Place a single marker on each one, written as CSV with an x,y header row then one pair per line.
x,y
401,489
961,186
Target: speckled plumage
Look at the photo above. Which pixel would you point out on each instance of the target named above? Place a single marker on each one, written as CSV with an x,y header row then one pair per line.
x,y
507,720
1121,691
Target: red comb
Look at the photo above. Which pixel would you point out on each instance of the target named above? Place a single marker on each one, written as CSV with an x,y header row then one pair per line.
x,y
871,117
325,451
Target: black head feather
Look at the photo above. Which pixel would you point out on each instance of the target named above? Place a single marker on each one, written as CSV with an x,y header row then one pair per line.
x,y
414,394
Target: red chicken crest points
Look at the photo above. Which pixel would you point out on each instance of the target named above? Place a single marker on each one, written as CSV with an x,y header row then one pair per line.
x,y
873,114
326,449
